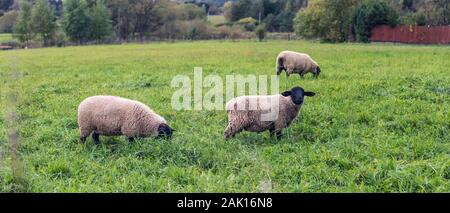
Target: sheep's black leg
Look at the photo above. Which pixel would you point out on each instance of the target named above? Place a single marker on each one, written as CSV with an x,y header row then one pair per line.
x,y
272,133
279,134
82,139
302,75
96,138
130,139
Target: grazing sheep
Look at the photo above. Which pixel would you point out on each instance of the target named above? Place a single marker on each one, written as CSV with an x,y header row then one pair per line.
x,y
241,115
294,62
110,116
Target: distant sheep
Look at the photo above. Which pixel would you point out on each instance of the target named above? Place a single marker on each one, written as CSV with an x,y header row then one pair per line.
x,y
242,117
111,116
294,62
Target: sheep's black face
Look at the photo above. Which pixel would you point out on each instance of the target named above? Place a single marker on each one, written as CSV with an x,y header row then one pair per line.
x,y
297,95
164,131
279,70
316,74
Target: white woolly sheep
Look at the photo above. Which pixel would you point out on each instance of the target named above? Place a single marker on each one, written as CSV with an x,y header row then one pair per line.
x,y
294,62
241,115
111,116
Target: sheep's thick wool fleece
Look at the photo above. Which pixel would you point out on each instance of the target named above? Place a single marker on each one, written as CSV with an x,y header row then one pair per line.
x,y
241,112
111,115
297,62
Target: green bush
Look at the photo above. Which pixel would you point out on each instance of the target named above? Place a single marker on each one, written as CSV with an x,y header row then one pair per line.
x,y
285,21
369,14
248,23
327,20
260,32
7,21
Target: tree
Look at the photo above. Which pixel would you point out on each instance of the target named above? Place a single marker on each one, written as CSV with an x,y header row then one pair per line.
x,y
6,4
145,17
23,29
43,21
407,4
192,11
248,23
228,8
369,14
138,18
7,21
57,7
77,22
260,32
284,22
327,20
121,18
277,14
270,23
435,12
101,23
361,24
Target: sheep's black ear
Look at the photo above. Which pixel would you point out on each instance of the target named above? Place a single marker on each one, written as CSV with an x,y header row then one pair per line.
x,y
310,94
286,93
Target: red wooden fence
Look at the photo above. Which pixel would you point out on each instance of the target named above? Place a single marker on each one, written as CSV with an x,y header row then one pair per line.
x,y
412,34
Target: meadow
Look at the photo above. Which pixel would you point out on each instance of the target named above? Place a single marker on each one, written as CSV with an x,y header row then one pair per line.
x,y
380,121
4,37
216,19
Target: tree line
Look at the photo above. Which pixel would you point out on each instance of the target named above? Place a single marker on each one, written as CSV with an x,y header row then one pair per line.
x,y
53,22
335,20
99,21
352,20
276,15
80,21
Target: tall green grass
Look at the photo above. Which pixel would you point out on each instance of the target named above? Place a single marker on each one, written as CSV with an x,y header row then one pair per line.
x,y
380,121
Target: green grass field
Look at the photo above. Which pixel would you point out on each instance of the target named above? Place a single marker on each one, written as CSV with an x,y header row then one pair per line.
x,y
380,121
4,37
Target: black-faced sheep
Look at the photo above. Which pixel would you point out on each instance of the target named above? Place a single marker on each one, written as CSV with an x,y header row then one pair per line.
x,y
294,62
259,117
111,116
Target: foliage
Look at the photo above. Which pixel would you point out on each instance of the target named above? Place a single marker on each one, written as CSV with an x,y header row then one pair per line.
x,y
422,12
7,21
137,18
77,22
249,23
228,12
260,32
434,12
284,22
101,23
248,20
5,4
43,21
369,14
23,30
327,20
277,15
